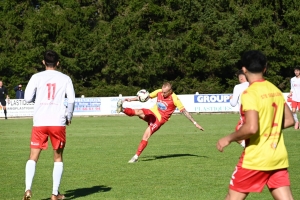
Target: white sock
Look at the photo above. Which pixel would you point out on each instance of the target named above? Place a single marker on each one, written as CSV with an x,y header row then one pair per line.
x,y
295,117
57,173
29,174
136,156
243,144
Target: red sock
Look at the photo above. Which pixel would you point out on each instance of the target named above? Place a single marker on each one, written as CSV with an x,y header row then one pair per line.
x,y
141,147
129,111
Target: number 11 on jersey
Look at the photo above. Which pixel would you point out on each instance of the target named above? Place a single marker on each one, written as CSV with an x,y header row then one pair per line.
x,y
51,85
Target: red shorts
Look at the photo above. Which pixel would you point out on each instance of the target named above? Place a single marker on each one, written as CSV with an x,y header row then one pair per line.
x,y
296,105
39,137
152,120
246,180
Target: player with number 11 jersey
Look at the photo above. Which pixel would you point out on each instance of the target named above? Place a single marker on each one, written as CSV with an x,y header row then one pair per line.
x,y
48,89
51,88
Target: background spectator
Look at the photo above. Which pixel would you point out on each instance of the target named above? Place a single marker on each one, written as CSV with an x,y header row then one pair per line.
x,y
19,92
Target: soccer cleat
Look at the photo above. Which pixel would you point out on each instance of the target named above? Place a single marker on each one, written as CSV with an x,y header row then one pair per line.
x,y
133,159
119,106
27,195
296,125
5,117
57,197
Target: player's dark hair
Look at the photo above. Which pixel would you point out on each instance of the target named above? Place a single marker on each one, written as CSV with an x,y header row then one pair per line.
x,y
240,72
254,61
297,67
51,58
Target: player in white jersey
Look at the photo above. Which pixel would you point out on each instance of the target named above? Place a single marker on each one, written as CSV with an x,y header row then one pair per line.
x,y
48,89
235,98
238,89
295,94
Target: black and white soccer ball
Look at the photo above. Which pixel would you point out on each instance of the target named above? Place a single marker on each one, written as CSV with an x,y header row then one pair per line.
x,y
143,95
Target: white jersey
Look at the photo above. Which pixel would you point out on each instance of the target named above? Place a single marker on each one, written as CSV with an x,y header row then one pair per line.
x,y
295,88
237,91
49,88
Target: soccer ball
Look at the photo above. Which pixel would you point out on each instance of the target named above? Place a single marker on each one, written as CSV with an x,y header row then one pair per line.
x,y
143,95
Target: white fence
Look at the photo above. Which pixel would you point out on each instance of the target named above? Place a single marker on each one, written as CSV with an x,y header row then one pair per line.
x,y
91,106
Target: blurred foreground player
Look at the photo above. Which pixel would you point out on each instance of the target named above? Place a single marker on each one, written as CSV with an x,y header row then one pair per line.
x,y
264,160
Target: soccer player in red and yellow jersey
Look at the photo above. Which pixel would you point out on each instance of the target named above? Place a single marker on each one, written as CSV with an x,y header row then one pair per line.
x,y
167,101
264,160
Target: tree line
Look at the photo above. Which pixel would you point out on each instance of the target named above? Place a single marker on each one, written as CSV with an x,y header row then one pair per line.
x,y
109,47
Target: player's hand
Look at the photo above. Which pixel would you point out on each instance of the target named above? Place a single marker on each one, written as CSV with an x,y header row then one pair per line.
x,y
223,142
230,97
68,122
200,127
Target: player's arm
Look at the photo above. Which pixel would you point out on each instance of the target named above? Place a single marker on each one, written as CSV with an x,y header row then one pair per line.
x,y
71,101
249,128
30,90
292,89
7,97
235,97
181,108
189,116
288,119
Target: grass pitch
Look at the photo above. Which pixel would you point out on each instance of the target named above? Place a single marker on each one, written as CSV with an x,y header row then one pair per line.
x,y
180,161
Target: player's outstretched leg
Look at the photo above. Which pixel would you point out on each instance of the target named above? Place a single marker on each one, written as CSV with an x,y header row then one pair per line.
x,y
119,106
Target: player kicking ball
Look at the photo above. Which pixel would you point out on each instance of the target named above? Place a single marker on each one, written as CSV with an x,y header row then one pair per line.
x,y
167,101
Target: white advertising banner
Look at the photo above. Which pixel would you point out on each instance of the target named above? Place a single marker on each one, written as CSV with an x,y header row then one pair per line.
x,y
17,108
93,106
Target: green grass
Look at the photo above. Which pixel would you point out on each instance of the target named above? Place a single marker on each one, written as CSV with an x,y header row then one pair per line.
x,y
180,162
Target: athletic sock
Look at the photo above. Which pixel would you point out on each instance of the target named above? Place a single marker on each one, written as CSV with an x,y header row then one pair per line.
x,y
141,147
57,173
129,111
243,143
136,156
29,174
5,112
295,117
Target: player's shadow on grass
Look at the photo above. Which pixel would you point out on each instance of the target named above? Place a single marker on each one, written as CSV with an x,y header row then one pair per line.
x,y
82,192
149,158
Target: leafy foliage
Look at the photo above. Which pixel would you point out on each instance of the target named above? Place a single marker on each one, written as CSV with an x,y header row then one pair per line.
x,y
121,46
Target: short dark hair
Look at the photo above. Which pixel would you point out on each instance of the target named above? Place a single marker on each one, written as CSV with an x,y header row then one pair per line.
x,y
51,58
297,67
240,72
254,61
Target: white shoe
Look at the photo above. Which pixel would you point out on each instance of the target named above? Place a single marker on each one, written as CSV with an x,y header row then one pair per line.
x,y
133,159
119,106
